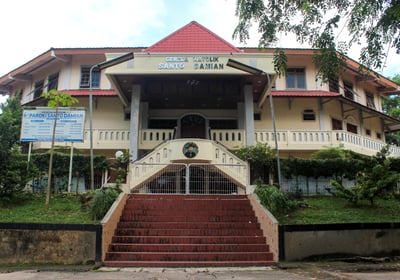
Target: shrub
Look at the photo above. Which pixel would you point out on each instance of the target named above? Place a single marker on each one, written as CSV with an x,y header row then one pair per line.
x,y
101,201
259,157
274,199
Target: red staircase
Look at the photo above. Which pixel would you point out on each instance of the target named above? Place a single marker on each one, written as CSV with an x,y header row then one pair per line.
x,y
188,231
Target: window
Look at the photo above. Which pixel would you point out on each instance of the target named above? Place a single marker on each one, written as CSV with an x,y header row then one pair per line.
x,y
308,115
296,78
337,124
85,76
378,135
368,132
351,128
257,116
370,100
334,85
38,89
348,90
53,82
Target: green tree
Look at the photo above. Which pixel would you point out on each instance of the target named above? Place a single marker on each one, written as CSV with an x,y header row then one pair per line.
x,y
14,172
259,157
377,179
391,106
55,100
329,153
375,22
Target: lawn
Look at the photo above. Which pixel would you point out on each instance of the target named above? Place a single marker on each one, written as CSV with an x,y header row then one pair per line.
x,y
67,209
329,210
63,208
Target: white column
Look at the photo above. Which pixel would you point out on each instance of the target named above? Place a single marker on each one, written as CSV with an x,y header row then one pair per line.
x,y
134,123
249,115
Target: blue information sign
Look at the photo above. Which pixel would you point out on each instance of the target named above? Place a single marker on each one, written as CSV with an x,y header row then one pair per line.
x,y
37,124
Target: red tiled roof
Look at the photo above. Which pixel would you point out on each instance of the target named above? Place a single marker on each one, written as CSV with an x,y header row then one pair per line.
x,y
305,93
193,37
95,92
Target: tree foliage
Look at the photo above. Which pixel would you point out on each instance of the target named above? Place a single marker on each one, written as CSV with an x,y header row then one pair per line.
x,y
391,106
259,157
14,170
376,179
374,24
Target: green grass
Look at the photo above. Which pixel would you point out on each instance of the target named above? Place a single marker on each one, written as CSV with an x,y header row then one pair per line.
x,y
329,210
63,208
66,208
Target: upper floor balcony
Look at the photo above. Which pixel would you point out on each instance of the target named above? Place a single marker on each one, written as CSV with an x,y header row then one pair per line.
x,y
288,140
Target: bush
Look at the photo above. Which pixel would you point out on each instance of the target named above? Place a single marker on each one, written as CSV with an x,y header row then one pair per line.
x,y
101,201
14,174
259,157
275,200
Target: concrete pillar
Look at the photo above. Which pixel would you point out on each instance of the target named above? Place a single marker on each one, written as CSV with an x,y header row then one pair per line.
x,y
134,123
249,115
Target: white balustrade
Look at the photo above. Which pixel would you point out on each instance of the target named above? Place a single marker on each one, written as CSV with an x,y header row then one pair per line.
x,y
234,139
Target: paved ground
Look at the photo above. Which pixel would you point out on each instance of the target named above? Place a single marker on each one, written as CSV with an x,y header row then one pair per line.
x,y
285,271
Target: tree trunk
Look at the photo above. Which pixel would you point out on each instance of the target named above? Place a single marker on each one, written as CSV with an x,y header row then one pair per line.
x,y
51,162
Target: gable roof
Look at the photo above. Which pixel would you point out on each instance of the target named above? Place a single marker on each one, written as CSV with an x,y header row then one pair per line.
x,y
195,38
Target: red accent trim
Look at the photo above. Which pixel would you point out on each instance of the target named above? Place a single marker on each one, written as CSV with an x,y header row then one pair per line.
x,y
304,93
86,92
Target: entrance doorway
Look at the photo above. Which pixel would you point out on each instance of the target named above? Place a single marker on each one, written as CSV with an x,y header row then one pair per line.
x,y
193,126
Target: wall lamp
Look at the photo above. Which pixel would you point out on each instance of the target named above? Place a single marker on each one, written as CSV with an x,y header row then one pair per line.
x,y
100,66
255,71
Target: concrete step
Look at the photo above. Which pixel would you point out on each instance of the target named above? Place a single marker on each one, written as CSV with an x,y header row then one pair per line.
x,y
127,247
190,239
189,232
187,225
192,218
187,263
188,256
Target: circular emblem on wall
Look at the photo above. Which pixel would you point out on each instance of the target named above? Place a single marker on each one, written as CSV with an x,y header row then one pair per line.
x,y
190,150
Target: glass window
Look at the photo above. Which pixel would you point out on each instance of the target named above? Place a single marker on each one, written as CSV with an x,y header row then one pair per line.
x,y
38,89
296,78
370,100
53,82
334,85
348,90
337,124
85,76
308,115
351,128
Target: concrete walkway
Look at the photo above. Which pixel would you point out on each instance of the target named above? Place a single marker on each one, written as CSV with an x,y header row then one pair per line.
x,y
301,272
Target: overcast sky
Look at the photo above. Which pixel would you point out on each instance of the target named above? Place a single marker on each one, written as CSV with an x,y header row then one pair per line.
x,y
31,27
